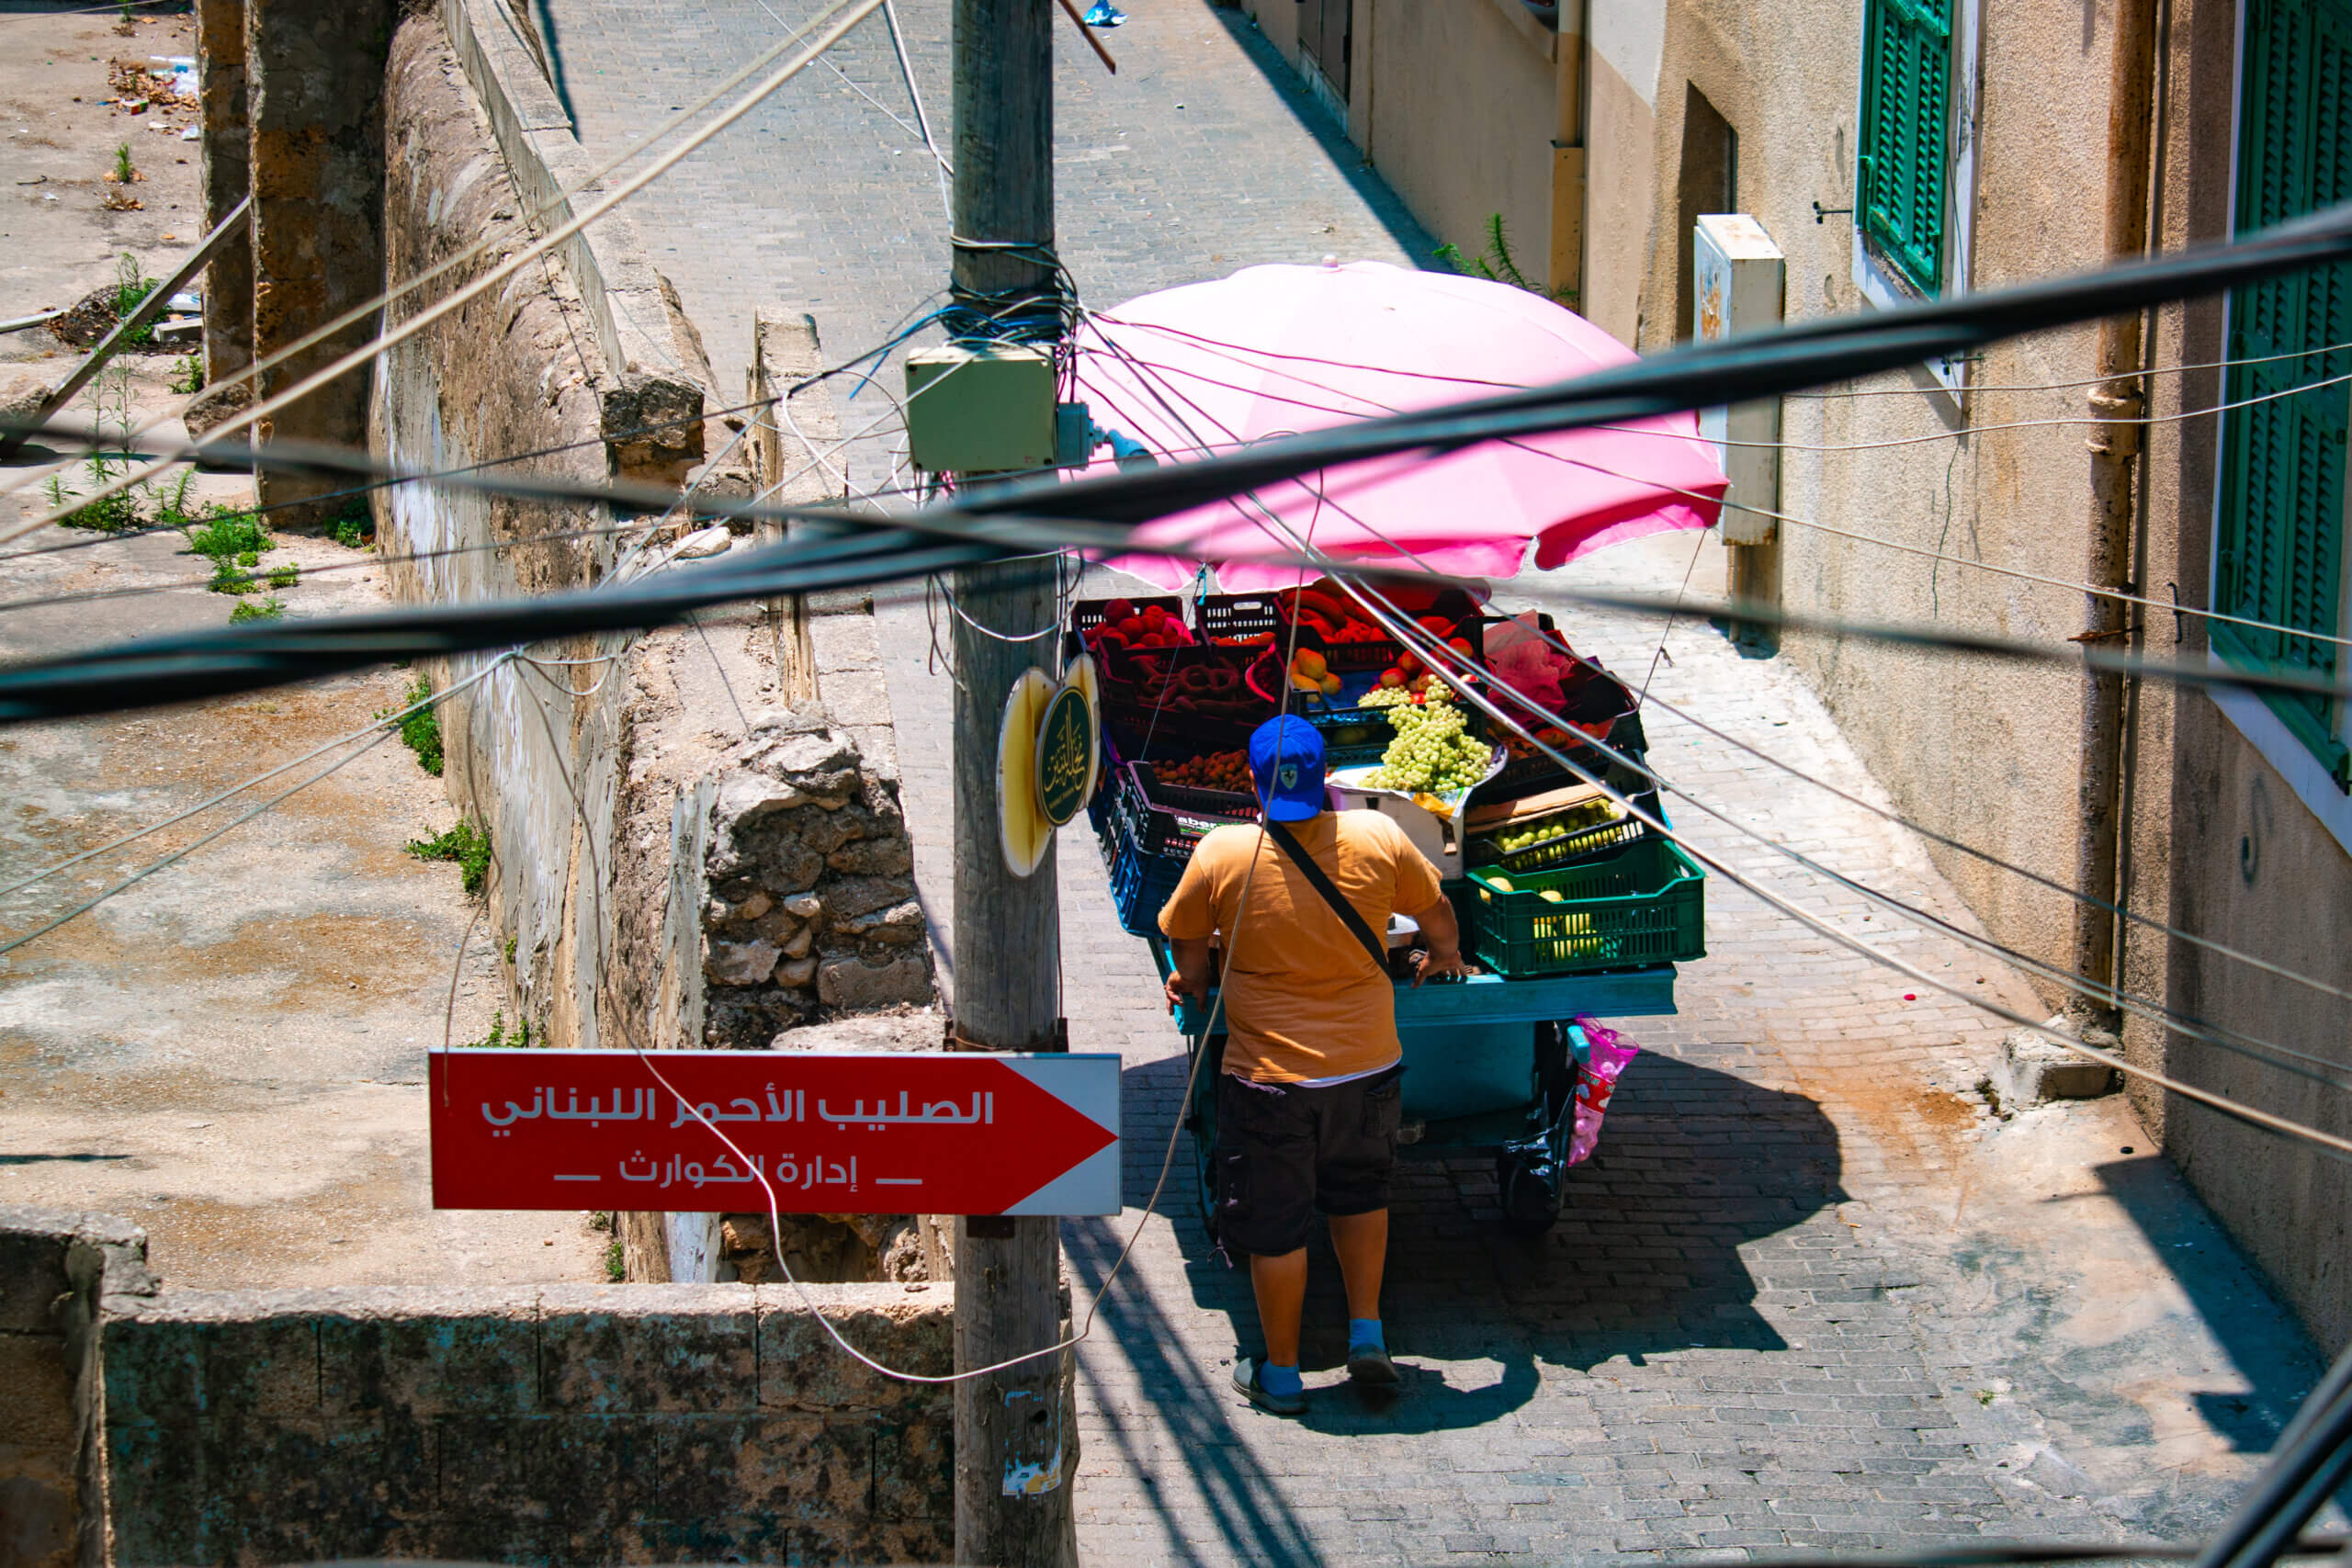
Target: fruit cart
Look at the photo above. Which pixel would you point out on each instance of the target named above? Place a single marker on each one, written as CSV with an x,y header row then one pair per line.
x,y
1570,906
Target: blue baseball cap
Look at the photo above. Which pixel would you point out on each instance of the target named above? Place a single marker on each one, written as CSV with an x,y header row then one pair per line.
x,y
1286,759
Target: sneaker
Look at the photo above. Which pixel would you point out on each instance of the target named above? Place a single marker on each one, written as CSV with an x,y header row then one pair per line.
x,y
1247,1384
1369,1366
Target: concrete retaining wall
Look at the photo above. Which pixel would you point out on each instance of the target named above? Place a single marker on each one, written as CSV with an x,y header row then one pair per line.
x,y
55,1271
559,1424
582,1424
640,328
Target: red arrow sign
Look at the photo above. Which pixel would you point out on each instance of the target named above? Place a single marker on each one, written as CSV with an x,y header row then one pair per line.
x,y
879,1135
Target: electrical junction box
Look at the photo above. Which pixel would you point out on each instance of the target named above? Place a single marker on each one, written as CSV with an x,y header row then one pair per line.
x,y
1737,275
980,408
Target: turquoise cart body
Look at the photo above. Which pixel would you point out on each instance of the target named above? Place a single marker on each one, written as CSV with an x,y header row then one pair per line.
x,y
1489,1073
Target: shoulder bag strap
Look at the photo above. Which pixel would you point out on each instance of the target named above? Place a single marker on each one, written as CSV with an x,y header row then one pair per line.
x,y
1322,884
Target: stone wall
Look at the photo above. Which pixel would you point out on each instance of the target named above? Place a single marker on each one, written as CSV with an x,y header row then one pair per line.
x,y
55,1271
688,850
559,1424
812,905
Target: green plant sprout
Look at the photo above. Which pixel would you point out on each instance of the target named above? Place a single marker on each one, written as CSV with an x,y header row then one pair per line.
x,y
226,536
420,731
188,375
268,609
499,1040
354,528
1496,264
467,845
284,576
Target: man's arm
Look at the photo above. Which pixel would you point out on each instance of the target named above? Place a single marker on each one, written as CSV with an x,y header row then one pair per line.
x,y
1444,934
1189,977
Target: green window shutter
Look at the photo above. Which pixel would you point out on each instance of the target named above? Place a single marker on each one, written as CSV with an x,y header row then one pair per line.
x,y
2280,542
1904,144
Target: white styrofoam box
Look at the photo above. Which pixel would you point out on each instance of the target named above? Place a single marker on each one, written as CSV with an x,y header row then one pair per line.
x,y
1438,837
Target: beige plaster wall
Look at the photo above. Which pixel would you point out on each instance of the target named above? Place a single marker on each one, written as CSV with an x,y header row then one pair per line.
x,y
1978,751
1621,132
2220,846
1987,754
1455,101
1457,111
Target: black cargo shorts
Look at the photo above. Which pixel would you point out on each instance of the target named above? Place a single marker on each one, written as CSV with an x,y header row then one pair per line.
x,y
1285,1151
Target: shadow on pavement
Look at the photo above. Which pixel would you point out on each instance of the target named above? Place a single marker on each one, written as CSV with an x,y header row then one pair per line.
x,y
1345,155
2232,1298
1694,1164
1167,1405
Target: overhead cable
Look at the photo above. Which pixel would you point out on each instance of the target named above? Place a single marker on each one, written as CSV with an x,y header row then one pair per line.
x,y
2337,1146
496,235
213,663
1440,656
1702,375
2115,594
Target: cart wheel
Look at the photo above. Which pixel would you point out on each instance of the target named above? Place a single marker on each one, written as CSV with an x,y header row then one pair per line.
x,y
1530,1205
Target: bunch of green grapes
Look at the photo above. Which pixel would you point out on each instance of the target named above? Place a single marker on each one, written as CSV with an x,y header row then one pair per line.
x,y
1385,697
1432,753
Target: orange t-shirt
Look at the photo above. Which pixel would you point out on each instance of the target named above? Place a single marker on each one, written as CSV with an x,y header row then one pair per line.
x,y
1302,999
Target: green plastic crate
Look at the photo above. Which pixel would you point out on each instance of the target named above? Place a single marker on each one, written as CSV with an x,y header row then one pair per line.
x,y
1646,904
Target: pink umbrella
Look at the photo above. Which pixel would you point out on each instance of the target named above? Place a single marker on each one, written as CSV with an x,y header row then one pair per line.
x,y
1275,350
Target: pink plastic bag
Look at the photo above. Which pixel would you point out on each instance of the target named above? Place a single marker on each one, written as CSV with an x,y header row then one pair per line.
x,y
1596,1081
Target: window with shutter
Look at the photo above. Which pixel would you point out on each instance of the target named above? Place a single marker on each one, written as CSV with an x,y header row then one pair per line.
x,y
2279,546
1903,164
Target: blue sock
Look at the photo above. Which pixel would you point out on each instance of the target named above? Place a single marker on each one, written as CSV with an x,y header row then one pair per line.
x,y
1279,1380
1365,1332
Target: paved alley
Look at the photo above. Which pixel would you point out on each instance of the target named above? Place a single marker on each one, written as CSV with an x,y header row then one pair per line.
x,y
1811,1291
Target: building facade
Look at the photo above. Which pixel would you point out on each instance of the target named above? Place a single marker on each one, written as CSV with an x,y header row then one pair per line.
x,y
1900,150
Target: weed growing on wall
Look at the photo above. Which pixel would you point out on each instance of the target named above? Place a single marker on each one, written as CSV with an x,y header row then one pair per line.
x,y
615,1269
355,529
467,845
499,1040
420,731
1496,264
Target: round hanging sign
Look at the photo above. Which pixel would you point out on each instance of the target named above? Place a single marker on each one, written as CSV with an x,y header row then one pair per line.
x,y
1065,755
1022,827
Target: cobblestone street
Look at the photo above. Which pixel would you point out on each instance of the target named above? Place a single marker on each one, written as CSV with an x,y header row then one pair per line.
x,y
1811,1291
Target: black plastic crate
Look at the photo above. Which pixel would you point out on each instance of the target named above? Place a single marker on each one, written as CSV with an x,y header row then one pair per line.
x,y
1088,613
1167,819
1236,614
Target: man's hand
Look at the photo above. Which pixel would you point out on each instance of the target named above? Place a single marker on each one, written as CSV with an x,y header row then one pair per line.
x,y
1445,954
1188,971
1434,964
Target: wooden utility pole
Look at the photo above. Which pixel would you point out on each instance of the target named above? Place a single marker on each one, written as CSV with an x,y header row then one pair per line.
x,y
1015,1449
